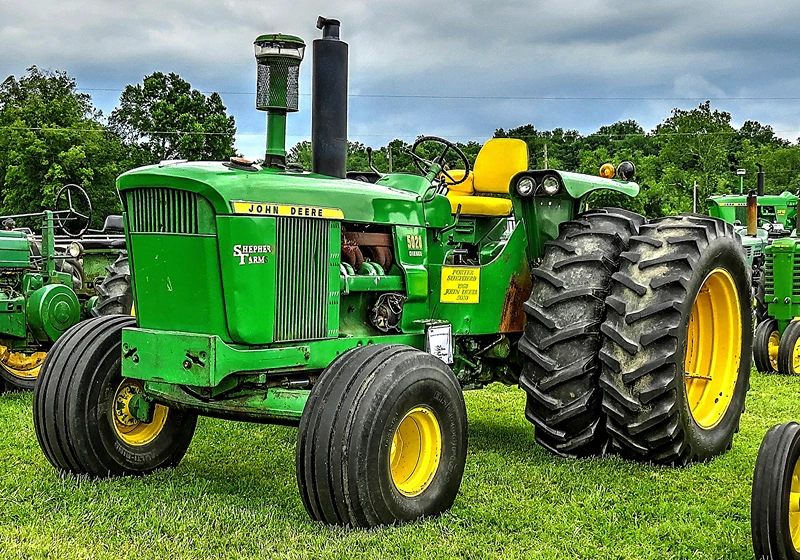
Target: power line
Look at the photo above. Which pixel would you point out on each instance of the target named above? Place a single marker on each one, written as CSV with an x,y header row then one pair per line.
x,y
397,135
516,97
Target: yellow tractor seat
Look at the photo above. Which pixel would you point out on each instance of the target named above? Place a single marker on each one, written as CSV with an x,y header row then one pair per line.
x,y
480,205
497,162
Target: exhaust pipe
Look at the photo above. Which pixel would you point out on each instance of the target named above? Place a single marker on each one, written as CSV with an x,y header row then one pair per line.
x,y
752,214
760,179
329,102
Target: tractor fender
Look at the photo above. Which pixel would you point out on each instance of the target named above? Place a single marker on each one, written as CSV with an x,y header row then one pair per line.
x,y
577,185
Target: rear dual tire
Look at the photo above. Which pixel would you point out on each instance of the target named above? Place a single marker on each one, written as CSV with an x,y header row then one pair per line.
x,y
562,334
382,439
677,342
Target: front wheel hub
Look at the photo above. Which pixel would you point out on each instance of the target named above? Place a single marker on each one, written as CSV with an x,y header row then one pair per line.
x,y
416,451
128,409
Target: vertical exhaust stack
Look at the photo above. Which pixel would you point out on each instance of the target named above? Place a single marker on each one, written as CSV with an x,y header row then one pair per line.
x,y
329,101
760,187
752,214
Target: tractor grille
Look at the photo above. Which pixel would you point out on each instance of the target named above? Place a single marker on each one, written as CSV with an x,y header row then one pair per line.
x,y
769,278
161,210
796,278
302,278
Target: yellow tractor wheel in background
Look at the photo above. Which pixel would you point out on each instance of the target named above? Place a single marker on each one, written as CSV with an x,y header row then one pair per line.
x,y
765,346
20,369
775,500
789,350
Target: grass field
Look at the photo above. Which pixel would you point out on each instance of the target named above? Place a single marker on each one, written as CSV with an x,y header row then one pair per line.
x,y
234,496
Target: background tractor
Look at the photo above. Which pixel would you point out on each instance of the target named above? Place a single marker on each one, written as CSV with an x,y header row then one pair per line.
x,y
775,217
358,312
49,282
777,339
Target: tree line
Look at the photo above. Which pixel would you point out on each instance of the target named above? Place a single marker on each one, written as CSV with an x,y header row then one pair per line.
x,y
698,145
51,135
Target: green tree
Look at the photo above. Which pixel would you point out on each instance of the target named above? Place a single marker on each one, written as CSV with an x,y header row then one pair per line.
x,y
50,136
164,118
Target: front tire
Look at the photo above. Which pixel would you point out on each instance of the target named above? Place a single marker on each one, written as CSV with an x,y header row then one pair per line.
x,y
766,344
562,334
789,350
81,408
775,501
677,341
382,439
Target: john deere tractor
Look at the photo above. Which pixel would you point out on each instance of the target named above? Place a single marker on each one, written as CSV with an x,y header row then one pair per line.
x,y
359,311
48,281
775,217
777,339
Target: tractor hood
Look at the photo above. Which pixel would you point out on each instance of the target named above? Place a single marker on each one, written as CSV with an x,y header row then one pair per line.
x,y
230,189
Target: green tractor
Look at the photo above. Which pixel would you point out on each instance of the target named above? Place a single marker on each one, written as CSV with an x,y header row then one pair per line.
x,y
358,312
775,217
49,282
776,347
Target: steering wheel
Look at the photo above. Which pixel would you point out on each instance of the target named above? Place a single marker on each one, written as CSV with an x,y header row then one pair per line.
x,y
78,210
424,165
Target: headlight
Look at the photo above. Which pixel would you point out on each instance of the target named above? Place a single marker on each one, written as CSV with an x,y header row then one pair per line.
x,y
550,184
525,186
75,250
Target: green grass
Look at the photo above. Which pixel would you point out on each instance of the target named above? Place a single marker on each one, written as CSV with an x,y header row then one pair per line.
x,y
234,496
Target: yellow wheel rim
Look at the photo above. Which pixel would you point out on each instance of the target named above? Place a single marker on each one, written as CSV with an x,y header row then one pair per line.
x,y
416,451
773,344
130,429
796,357
713,349
794,507
20,364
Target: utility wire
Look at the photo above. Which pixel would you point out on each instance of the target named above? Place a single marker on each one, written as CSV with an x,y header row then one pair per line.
x,y
516,97
395,134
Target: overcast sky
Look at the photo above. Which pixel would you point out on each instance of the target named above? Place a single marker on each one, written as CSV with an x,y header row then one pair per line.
x,y
499,50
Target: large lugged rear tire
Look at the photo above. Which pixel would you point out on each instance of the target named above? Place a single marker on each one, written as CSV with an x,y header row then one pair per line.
x,y
562,334
114,294
81,408
775,501
677,341
382,439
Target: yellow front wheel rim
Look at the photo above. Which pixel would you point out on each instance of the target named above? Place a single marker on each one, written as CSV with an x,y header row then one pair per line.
x,y
796,357
713,349
130,429
19,364
794,507
416,451
773,344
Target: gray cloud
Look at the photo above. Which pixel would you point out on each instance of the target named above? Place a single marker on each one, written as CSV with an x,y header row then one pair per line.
x,y
584,48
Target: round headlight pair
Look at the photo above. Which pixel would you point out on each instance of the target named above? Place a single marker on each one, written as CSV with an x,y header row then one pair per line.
x,y
527,185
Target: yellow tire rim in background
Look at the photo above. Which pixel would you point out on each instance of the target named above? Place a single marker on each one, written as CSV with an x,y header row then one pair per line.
x,y
713,349
772,348
794,507
416,451
130,429
19,364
